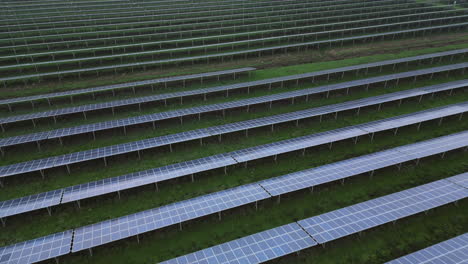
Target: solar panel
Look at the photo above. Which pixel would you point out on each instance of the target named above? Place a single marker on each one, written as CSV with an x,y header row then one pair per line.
x,y
283,184
261,40
131,225
362,164
257,248
218,55
239,31
359,217
136,179
125,85
452,251
294,144
435,146
332,172
30,203
37,249
461,180
269,14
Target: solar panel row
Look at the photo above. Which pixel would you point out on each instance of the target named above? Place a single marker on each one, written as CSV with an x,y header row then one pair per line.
x,y
343,222
276,186
166,14
281,241
153,82
166,39
452,26
452,251
72,158
123,123
226,88
205,49
114,36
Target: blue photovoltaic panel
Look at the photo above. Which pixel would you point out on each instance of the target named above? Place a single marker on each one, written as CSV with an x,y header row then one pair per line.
x,y
332,172
461,180
38,249
452,251
257,248
76,157
367,163
131,225
251,51
435,146
289,145
353,219
108,105
30,203
136,179
127,85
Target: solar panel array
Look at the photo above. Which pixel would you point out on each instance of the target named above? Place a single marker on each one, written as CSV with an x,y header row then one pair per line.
x,y
257,248
72,158
153,98
71,131
173,95
274,186
322,228
37,250
131,225
452,251
240,53
337,224
53,39
360,217
128,85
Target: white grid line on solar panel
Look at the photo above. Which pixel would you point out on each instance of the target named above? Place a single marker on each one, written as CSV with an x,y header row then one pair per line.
x,y
435,146
452,251
237,27
19,77
262,40
174,17
125,85
115,38
461,179
134,224
71,158
372,213
37,249
155,13
256,248
159,97
109,185
30,203
75,193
